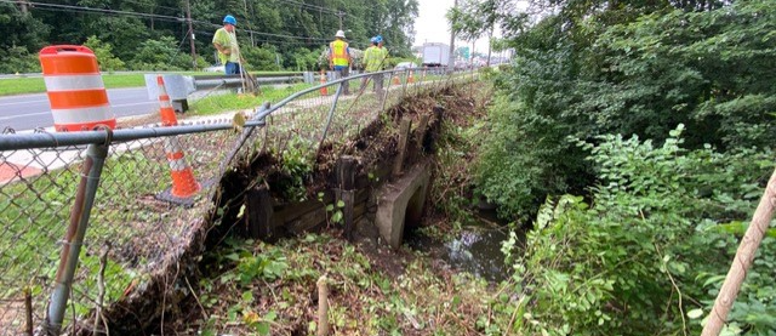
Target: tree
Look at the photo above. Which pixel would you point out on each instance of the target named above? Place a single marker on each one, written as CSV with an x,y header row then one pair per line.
x,y
104,54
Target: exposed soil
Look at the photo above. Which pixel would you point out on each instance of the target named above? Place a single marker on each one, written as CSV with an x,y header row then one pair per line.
x,y
170,295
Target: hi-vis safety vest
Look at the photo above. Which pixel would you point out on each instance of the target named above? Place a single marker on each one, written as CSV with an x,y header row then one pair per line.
x,y
339,53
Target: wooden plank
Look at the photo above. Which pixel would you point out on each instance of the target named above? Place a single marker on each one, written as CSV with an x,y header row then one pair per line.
x,y
404,133
346,171
347,182
259,213
348,197
420,131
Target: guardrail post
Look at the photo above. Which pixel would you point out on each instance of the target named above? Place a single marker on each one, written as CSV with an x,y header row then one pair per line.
x,y
79,221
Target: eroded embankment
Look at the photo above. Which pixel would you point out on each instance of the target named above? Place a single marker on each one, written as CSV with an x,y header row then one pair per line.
x,y
165,300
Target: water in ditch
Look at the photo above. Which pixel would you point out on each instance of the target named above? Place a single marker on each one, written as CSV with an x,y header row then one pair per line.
x,y
476,249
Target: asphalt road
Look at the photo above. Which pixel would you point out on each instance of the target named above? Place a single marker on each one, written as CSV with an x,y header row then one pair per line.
x,y
28,112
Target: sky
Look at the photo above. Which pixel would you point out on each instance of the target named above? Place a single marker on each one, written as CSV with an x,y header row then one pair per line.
x,y
432,26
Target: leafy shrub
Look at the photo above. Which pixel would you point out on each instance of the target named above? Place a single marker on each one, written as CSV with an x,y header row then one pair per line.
x,y
303,59
161,54
652,247
104,53
710,70
261,58
18,59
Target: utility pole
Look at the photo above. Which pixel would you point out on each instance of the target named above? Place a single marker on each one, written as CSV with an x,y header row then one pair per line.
x,y
191,35
451,62
341,14
23,6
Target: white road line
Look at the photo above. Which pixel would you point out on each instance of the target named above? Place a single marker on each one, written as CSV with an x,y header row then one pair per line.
x,y
132,104
23,116
24,102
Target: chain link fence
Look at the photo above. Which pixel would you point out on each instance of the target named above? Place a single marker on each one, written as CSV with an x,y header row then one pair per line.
x,y
55,274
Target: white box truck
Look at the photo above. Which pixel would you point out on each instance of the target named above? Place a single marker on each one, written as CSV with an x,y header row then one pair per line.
x,y
436,55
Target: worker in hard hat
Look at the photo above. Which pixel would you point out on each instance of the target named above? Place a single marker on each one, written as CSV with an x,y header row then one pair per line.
x,y
339,59
374,59
225,41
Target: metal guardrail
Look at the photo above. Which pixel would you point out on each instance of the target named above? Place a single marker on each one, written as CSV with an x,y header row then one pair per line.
x,y
236,81
102,199
180,87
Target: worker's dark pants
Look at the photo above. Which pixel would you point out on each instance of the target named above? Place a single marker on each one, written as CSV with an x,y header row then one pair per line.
x,y
231,68
377,79
342,73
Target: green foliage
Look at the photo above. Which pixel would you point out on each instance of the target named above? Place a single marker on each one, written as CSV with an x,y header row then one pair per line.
x,y
304,59
292,30
297,165
18,60
23,35
261,58
104,53
639,68
620,265
365,299
160,54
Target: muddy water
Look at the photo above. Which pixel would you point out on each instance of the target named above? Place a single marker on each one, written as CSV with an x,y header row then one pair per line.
x,y
476,249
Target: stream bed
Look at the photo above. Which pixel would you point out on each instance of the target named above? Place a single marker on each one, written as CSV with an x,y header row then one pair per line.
x,y
476,249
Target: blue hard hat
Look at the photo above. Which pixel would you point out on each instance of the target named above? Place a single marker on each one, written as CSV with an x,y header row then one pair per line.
x,y
230,20
375,40
379,38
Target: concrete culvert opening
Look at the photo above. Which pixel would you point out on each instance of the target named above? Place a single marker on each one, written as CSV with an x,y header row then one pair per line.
x,y
413,215
401,205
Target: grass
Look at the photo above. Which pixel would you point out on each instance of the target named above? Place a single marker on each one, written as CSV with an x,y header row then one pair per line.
x,y
218,103
17,86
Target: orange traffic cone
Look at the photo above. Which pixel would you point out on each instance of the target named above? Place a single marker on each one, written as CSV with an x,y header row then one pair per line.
x,y
396,80
324,90
184,185
165,107
410,79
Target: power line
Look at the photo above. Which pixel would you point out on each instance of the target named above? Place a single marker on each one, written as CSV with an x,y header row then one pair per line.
x,y
262,33
62,10
177,10
315,7
156,16
279,42
97,10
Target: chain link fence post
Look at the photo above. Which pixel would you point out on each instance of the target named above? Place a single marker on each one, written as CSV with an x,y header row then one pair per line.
x,y
79,221
331,115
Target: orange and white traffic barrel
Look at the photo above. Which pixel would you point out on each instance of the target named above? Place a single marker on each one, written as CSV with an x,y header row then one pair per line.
x,y
75,88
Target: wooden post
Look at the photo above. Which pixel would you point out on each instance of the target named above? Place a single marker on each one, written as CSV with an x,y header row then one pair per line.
x,y
323,307
742,261
258,213
346,177
420,132
404,133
